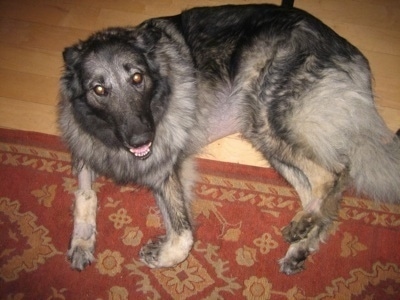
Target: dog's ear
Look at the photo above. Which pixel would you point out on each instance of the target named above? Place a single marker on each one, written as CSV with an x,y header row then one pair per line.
x,y
146,37
70,85
71,55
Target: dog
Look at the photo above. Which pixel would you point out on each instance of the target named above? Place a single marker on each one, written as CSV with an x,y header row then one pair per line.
x,y
137,103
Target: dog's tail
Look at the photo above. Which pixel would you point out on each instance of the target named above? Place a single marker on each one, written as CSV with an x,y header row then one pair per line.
x,y
342,129
375,164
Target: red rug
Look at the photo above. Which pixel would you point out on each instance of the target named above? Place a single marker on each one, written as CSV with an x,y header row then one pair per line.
x,y
239,213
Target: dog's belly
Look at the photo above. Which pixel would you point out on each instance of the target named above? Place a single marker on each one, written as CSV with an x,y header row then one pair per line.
x,y
221,126
222,119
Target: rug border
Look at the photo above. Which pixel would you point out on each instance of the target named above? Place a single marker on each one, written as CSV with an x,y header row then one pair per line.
x,y
42,140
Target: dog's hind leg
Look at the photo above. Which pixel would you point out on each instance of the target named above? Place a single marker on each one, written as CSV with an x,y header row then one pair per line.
x,y
83,237
173,198
320,192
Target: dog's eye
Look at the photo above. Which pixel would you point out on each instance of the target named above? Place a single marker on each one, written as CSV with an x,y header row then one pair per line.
x,y
137,78
100,90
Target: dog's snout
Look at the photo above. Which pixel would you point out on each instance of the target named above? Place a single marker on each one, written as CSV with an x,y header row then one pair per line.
x,y
146,122
141,139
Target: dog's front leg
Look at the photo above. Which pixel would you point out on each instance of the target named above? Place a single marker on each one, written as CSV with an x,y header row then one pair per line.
x,y
85,208
174,247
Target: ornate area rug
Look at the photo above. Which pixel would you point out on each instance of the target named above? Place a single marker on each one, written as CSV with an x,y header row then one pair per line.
x,y
239,212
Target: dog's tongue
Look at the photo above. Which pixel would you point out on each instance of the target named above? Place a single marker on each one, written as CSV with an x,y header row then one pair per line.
x,y
141,151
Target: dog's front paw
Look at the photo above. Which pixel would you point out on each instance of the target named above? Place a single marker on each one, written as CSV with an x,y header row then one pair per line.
x,y
82,246
80,257
83,237
167,252
149,254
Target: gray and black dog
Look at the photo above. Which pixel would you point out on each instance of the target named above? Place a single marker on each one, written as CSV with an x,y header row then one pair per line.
x,y
138,102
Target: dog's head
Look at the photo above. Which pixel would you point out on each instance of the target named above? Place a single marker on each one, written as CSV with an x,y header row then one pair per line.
x,y
115,87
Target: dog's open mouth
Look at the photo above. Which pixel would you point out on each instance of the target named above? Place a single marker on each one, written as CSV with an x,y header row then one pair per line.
x,y
141,152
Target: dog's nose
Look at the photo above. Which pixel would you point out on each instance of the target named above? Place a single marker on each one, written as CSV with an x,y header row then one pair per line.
x,y
139,140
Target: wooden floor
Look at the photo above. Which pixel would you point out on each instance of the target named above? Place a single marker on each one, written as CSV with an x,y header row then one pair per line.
x,y
34,33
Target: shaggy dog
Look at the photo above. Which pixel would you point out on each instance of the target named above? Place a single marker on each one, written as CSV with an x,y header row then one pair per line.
x,y
138,102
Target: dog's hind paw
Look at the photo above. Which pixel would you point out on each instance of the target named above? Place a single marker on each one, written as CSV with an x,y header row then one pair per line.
x,y
298,230
294,262
167,252
80,257
298,251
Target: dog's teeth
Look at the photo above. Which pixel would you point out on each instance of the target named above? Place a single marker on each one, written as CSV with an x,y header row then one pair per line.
x,y
141,151
140,154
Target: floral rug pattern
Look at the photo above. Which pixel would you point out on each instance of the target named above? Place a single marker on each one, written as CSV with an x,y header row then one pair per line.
x,y
239,212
